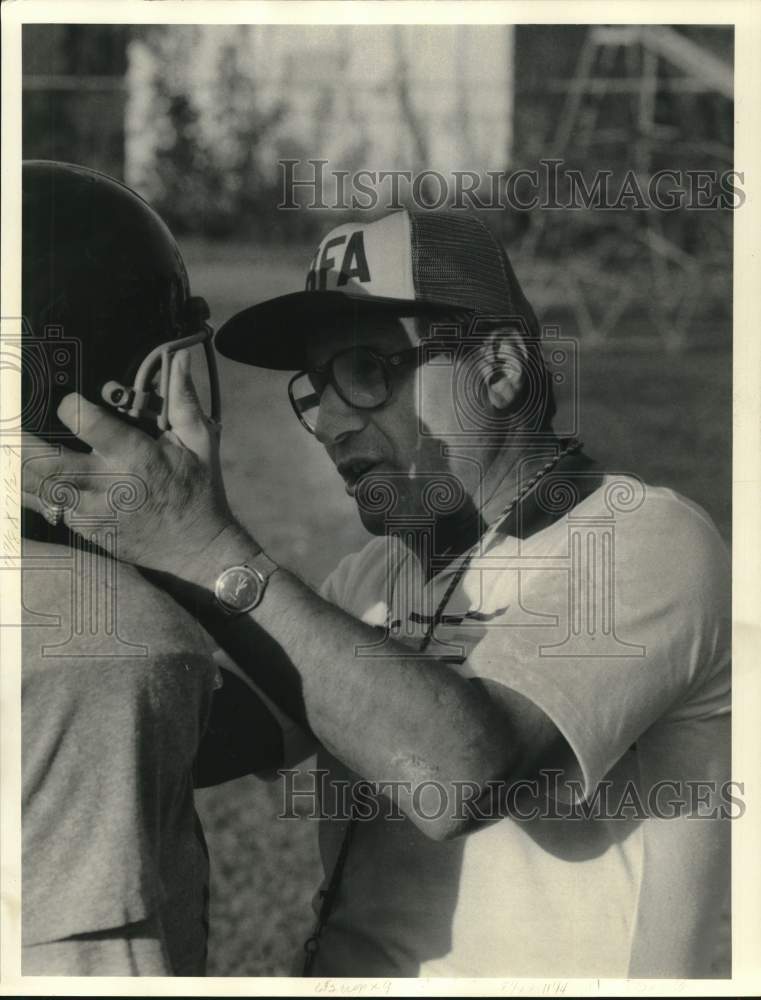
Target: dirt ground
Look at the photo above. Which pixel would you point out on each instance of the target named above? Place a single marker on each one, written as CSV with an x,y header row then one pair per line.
x,y
667,418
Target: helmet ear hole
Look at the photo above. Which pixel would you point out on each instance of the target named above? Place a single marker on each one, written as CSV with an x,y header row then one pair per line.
x,y
196,313
115,394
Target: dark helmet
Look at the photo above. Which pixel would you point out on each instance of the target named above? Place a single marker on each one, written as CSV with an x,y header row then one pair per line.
x,y
105,298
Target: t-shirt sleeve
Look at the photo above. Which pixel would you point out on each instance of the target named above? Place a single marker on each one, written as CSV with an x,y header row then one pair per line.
x,y
664,657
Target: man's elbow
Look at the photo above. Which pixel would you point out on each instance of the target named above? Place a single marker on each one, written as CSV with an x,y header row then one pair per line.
x,y
467,808
442,830
445,810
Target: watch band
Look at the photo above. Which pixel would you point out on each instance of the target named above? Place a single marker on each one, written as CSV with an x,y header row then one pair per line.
x,y
240,588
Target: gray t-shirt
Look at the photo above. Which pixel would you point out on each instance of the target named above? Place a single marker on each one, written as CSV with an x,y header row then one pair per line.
x,y
116,690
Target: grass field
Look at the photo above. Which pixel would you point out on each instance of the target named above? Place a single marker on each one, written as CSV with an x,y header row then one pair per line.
x,y
666,418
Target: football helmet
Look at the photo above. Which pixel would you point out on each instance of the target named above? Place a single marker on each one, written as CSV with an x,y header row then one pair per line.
x,y
105,298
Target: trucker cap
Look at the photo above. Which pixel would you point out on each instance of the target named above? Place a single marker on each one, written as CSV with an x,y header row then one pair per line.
x,y
404,264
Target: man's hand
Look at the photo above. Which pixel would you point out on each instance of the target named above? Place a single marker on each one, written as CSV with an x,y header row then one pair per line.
x,y
172,503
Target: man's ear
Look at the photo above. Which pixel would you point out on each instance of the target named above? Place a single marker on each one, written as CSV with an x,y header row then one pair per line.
x,y
502,363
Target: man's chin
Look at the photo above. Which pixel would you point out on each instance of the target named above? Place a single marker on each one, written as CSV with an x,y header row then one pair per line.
x,y
383,497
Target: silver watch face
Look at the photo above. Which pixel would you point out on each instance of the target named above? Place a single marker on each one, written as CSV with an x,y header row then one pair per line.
x,y
239,588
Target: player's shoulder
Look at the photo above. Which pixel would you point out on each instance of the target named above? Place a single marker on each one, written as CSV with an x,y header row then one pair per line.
x,y
88,593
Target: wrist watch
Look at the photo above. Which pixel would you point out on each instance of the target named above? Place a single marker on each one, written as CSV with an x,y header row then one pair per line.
x,y
239,589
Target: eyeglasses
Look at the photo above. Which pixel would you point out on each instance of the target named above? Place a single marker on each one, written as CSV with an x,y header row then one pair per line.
x,y
360,377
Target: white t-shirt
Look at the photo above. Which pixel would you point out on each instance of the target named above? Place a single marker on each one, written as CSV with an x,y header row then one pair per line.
x,y
615,621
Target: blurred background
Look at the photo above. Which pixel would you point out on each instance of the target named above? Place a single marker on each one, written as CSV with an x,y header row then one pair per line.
x,y
196,119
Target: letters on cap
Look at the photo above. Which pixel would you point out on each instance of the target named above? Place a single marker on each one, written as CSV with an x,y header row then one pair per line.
x,y
350,250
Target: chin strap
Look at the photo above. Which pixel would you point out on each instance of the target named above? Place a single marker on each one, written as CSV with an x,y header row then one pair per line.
x,y
135,401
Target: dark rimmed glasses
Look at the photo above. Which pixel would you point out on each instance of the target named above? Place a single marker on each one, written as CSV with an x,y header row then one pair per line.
x,y
360,376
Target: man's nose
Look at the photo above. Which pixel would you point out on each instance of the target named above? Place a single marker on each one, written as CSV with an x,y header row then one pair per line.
x,y
336,418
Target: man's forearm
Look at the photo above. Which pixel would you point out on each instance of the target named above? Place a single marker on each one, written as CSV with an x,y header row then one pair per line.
x,y
396,718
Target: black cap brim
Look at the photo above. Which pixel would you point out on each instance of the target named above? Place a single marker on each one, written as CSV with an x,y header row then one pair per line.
x,y
275,333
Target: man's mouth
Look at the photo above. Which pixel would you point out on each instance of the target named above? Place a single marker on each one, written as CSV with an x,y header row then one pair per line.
x,y
352,471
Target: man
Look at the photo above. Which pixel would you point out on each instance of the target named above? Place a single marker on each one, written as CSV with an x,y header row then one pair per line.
x,y
117,680
524,633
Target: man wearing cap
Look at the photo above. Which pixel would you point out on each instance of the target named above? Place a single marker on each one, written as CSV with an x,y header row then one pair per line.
x,y
529,662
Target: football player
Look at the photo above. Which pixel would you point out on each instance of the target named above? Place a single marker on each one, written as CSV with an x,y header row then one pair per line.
x,y
120,688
